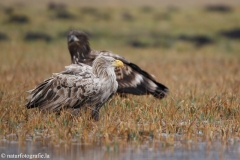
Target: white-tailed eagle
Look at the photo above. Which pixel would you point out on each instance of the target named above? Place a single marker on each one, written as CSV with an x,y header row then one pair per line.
x,y
131,78
79,86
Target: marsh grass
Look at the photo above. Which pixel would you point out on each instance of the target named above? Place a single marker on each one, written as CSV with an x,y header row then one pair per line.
x,y
203,103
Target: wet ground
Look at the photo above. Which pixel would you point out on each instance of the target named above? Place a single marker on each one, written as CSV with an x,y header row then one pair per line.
x,y
12,149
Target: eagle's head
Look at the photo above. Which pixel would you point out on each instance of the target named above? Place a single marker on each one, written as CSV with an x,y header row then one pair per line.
x,y
77,37
78,45
105,65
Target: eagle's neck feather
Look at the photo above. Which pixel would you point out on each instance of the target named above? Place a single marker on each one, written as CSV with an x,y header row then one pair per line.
x,y
104,72
79,52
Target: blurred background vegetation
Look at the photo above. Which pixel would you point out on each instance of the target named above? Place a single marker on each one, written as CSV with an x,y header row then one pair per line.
x,y
158,24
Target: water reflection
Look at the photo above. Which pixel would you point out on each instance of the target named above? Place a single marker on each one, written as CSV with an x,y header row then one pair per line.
x,y
44,149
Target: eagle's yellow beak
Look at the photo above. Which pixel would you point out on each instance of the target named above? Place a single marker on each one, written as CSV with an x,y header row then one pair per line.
x,y
118,63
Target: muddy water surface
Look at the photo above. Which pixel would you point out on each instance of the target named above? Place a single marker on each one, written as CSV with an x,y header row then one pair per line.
x,y
38,149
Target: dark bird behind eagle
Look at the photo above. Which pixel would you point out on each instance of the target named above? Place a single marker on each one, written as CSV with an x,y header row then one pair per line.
x,y
79,86
131,78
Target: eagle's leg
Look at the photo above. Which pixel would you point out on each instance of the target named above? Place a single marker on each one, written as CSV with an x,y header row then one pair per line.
x,y
95,115
95,112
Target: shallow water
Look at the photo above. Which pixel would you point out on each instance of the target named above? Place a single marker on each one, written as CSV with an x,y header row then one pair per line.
x,y
149,151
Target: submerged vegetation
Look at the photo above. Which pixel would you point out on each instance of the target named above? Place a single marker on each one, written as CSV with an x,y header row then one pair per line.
x,y
186,49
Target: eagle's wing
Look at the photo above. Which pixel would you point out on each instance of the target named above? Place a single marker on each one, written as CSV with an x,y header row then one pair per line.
x,y
72,88
132,79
